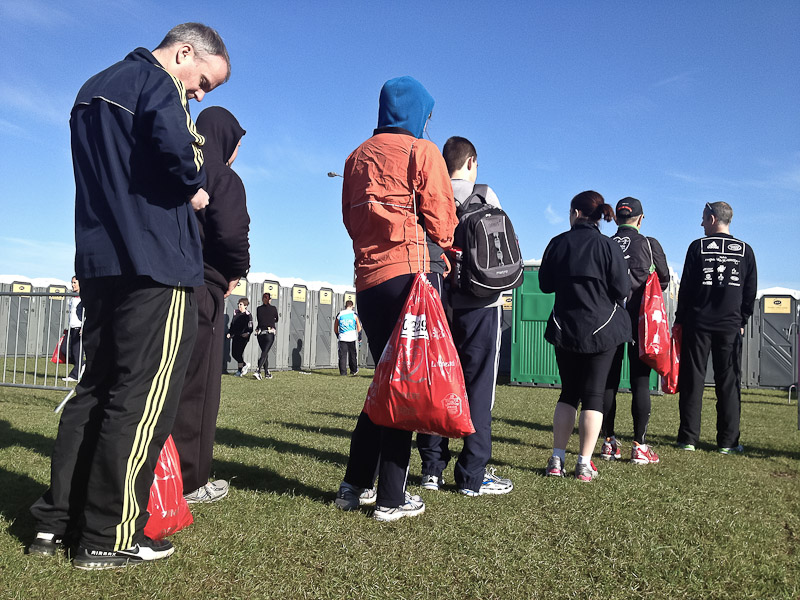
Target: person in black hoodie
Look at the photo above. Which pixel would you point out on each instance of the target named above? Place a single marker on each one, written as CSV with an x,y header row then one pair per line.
x,y
223,226
588,274
641,254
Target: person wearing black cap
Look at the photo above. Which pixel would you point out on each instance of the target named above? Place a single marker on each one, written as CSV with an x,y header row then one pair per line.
x,y
643,255
715,301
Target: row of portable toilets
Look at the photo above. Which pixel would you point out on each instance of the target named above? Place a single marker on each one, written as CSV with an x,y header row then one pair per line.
x,y
32,319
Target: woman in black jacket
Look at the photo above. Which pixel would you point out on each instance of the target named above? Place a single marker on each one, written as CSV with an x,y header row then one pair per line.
x,y
588,274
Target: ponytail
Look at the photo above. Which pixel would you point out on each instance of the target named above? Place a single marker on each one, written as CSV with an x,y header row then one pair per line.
x,y
592,206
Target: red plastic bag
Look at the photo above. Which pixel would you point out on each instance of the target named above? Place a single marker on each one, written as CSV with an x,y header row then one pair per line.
x,y
60,352
169,511
669,383
654,344
418,383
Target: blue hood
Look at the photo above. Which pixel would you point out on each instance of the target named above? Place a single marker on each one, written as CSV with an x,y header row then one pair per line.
x,y
405,103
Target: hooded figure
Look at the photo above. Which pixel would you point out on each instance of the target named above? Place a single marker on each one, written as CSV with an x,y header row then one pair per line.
x,y
382,178
397,206
224,224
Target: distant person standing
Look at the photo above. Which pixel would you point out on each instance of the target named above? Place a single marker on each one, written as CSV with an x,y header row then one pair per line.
x,y
347,328
138,162
715,300
75,331
239,334
224,227
587,272
642,255
267,316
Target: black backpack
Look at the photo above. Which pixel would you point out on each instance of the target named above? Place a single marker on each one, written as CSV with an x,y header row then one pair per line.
x,y
487,258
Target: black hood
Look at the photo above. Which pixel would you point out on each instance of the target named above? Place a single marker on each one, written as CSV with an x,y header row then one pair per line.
x,y
221,131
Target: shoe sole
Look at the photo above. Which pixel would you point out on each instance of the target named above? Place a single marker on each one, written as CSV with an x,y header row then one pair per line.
x,y
495,492
103,566
389,517
41,551
430,486
554,474
644,461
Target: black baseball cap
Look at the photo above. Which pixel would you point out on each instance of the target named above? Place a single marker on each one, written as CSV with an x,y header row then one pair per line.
x,y
629,207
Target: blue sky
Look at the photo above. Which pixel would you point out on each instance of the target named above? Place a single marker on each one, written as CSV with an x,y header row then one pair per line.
x,y
675,103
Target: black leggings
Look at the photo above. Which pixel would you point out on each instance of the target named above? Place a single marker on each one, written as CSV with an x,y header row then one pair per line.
x,y
583,377
640,390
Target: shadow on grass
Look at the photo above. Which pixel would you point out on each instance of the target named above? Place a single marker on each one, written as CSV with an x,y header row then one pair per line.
x,y
266,480
19,492
234,437
336,415
548,427
32,441
331,431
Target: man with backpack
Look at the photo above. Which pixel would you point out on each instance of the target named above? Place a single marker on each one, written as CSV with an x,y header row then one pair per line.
x,y
475,325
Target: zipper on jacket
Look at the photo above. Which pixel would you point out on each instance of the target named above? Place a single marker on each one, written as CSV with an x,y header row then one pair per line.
x,y
608,320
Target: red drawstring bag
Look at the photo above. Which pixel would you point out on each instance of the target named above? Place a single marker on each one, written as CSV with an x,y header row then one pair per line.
x,y
669,383
654,341
169,511
418,383
60,353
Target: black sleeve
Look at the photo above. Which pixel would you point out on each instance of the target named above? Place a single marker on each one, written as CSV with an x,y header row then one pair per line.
x,y
226,226
547,282
686,291
750,286
619,282
660,261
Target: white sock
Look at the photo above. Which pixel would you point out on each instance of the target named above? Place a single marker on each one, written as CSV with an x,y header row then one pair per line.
x,y
560,453
584,460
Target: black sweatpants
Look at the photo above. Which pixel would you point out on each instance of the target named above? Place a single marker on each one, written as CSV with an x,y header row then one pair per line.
x,y
640,390
75,353
373,447
196,421
348,355
265,341
726,358
476,333
138,337
238,344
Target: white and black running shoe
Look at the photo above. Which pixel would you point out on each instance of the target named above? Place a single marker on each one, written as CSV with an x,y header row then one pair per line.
x,y
96,560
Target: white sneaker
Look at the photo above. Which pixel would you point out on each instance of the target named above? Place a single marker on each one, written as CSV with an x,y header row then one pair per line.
x,y
491,484
413,506
245,369
213,491
350,497
432,482
257,375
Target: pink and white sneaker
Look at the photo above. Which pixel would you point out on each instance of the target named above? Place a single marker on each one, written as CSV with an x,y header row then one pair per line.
x,y
584,472
610,449
642,454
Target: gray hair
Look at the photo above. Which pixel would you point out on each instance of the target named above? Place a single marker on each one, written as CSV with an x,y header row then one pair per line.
x,y
721,210
205,41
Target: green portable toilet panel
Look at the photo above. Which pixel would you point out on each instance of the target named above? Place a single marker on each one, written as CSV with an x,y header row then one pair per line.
x,y
533,360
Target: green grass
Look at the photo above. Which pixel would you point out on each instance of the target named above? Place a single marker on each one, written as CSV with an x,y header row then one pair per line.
x,y
699,525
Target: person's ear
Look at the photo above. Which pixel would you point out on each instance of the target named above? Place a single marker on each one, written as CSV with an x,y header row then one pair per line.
x,y
183,53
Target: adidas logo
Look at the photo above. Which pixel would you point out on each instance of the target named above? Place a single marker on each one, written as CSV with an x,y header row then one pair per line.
x,y
713,246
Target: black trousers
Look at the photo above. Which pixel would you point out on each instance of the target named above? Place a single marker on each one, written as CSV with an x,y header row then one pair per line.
x,y
138,337
75,354
265,341
726,358
238,344
583,377
196,421
348,355
476,333
373,448
640,390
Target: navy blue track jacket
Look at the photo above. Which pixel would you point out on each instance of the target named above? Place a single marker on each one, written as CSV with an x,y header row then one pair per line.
x,y
138,161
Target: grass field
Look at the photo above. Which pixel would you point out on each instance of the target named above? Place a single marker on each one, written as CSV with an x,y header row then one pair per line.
x,y
699,525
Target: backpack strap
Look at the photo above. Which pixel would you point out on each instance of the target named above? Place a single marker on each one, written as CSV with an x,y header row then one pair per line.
x,y
479,193
652,263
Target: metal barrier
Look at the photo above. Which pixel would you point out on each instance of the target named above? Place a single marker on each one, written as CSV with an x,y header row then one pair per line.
x,y
31,325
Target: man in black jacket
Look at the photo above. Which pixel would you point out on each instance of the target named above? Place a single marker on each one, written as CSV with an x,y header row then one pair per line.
x,y
138,176
642,254
715,301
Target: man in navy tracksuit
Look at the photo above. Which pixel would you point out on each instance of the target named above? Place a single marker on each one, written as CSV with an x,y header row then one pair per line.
x,y
138,176
475,324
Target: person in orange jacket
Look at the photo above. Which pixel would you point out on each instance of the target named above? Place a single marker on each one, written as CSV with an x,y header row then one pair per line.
x,y
397,206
